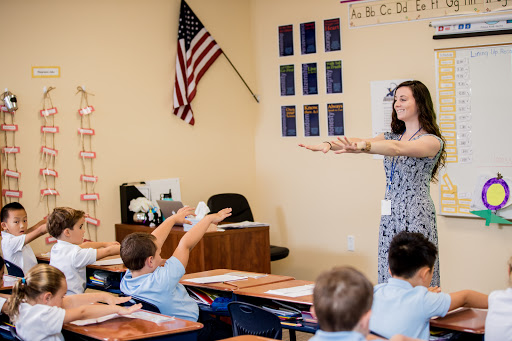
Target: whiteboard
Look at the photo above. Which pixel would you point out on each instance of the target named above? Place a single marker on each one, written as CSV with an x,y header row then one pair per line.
x,y
474,108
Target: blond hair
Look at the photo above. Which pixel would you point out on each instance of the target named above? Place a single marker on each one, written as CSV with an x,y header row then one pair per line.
x,y
40,279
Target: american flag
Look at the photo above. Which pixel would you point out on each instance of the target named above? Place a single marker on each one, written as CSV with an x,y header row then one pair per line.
x,y
197,50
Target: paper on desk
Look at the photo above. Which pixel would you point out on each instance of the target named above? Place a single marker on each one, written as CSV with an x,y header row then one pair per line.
x,y
136,315
9,280
215,279
242,225
113,261
303,290
246,274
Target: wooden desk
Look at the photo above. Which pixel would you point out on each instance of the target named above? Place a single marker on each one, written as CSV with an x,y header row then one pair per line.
x,y
468,320
245,249
117,271
124,328
234,285
260,292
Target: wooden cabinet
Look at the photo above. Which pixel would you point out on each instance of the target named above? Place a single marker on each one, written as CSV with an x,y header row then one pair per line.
x,y
245,249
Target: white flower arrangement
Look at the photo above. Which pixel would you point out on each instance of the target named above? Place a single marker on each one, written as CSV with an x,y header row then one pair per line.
x,y
142,204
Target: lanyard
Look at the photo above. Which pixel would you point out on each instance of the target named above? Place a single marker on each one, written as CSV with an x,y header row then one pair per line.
x,y
395,160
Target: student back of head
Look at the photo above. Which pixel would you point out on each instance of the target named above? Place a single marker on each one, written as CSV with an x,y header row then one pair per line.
x,y
498,324
404,305
342,303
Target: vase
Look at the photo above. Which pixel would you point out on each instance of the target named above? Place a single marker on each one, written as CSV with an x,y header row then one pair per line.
x,y
140,217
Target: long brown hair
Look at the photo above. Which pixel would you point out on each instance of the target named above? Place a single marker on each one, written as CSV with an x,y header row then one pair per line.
x,y
426,118
40,279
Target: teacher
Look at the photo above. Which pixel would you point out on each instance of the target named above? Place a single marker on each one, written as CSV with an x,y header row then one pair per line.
x,y
413,153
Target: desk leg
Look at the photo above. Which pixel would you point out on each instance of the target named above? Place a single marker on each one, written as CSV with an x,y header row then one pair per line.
x,y
293,336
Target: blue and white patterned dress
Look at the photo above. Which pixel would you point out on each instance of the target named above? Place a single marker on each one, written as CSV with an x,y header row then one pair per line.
x,y
412,208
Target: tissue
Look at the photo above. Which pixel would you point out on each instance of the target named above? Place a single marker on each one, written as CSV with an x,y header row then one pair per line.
x,y
201,211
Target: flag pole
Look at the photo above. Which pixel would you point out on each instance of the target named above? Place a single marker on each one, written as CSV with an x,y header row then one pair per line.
x,y
238,73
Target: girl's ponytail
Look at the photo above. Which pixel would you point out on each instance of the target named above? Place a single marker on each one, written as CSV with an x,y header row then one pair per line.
x,y
40,279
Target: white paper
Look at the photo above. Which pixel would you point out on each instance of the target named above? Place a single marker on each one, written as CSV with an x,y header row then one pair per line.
x,y
143,315
243,224
113,261
303,290
215,279
247,274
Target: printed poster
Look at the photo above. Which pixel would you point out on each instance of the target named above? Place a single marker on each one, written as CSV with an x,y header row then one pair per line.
x,y
332,37
286,40
335,120
309,79
334,84
289,120
308,37
311,120
287,76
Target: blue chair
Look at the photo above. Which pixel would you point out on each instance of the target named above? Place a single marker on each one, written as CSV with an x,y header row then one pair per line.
x,y
241,212
13,269
14,334
248,319
145,304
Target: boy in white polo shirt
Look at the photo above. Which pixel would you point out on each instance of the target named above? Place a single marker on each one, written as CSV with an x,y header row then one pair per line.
x,y
71,255
16,235
404,305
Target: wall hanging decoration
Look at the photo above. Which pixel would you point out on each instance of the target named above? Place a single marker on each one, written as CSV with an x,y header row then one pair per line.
x,y
49,152
87,178
11,184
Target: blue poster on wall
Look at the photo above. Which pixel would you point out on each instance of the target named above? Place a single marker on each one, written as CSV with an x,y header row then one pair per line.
x,y
311,120
332,37
309,79
335,120
289,120
286,40
308,37
287,76
333,81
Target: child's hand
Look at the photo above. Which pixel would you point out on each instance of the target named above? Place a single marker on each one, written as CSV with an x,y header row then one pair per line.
x,y
129,310
179,217
111,243
434,289
113,300
221,215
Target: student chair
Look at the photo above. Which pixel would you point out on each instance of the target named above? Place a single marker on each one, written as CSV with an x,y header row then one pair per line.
x,y
13,269
241,212
145,304
248,319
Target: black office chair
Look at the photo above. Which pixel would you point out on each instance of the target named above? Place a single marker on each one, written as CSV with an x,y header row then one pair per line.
x,y
145,304
241,212
13,269
248,319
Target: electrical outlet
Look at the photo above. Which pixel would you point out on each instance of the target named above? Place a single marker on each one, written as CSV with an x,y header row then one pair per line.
x,y
351,243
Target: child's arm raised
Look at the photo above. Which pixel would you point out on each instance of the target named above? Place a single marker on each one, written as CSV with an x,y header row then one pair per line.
x,y
35,231
192,237
91,311
468,298
162,231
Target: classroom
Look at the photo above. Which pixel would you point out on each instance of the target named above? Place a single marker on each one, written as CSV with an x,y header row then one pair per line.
x,y
123,52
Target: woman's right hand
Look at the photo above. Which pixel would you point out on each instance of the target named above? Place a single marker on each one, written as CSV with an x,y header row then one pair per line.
x,y
322,147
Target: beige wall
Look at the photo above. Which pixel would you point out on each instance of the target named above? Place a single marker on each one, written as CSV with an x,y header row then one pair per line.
x,y
123,51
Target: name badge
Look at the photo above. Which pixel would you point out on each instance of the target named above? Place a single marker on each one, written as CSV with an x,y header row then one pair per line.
x,y
385,207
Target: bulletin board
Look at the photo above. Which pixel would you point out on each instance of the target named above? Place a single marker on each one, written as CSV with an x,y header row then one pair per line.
x,y
474,108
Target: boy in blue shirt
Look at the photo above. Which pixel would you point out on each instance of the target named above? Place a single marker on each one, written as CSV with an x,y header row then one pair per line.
x,y
343,300
404,304
147,279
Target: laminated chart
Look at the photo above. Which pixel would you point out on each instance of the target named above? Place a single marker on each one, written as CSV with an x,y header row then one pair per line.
x,y
473,106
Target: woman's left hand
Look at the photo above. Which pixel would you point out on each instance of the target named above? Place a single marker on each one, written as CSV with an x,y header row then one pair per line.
x,y
346,146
